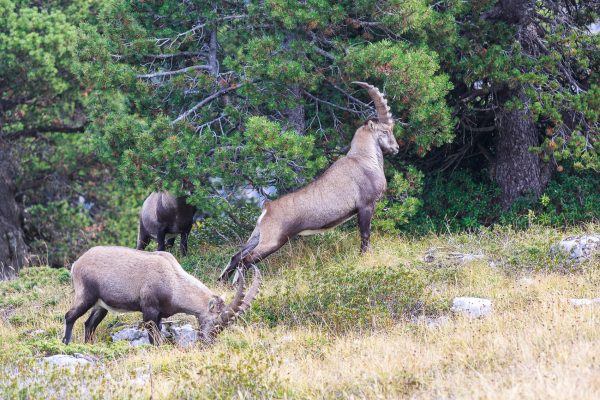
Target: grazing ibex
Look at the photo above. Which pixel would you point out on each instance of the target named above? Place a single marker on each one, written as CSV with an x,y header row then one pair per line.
x,y
164,216
121,279
352,185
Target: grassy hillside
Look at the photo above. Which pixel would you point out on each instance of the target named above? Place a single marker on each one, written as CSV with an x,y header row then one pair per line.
x,y
331,324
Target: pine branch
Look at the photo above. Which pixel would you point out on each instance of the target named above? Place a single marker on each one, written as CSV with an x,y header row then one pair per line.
x,y
204,102
176,72
36,131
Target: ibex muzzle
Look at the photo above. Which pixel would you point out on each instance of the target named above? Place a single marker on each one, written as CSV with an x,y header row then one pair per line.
x,y
111,278
352,185
163,217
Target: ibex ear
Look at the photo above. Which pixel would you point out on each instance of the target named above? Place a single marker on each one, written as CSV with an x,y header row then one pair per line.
x,y
371,125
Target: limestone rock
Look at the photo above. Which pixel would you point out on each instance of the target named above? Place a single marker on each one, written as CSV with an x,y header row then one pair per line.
x,y
526,281
184,335
441,254
472,306
577,248
135,336
431,322
584,302
65,360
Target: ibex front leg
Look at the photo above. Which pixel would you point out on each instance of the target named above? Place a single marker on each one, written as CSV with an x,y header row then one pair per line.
x,y
259,246
365,214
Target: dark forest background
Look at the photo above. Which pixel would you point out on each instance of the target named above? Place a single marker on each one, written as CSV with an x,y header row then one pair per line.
x,y
496,105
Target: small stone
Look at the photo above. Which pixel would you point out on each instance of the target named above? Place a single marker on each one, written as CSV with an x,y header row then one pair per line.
x,y
142,375
472,307
526,281
584,302
439,254
465,258
64,360
184,336
431,322
135,336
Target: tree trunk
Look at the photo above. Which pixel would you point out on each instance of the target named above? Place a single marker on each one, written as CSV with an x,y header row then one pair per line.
x,y
295,116
517,170
13,251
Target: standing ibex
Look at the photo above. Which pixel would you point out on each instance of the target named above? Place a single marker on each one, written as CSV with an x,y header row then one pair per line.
x,y
352,185
164,216
124,280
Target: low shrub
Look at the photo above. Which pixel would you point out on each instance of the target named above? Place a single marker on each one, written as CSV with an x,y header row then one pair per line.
x,y
340,297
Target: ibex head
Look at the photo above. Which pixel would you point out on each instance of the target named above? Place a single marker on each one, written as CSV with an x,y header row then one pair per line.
x,y
221,315
383,128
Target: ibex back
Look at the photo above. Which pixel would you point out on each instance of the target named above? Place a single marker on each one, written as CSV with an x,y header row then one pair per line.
x,y
352,185
163,217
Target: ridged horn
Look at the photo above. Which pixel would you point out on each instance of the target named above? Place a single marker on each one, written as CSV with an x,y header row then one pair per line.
x,y
383,110
251,295
230,311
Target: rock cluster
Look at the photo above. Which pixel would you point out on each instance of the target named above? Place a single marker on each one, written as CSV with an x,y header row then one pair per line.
x,y
183,336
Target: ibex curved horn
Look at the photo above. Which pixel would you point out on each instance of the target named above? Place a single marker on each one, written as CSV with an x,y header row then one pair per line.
x,y
239,306
251,295
228,314
383,110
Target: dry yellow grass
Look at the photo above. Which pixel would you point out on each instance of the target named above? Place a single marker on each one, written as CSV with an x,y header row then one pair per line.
x,y
534,345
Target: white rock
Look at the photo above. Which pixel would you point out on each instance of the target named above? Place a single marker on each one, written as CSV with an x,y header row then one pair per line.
x,y
577,248
438,253
142,375
472,306
64,360
431,322
526,281
465,258
584,302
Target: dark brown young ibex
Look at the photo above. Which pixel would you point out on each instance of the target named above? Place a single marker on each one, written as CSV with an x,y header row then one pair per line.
x,y
352,185
111,278
163,217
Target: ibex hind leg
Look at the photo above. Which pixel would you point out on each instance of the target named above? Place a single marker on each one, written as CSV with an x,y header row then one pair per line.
x,y
143,239
96,316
